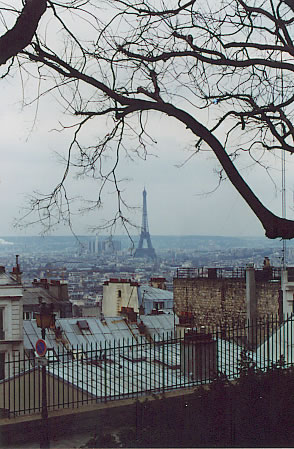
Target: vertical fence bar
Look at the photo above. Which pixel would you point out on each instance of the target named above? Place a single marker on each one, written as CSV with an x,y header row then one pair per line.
x,y
78,365
63,364
286,345
96,372
122,359
101,372
291,340
9,389
5,383
150,366
216,334
58,370
237,348
72,377
105,374
163,363
14,384
18,377
142,362
47,379
94,356
87,383
68,374
110,369
34,383
22,360
131,366
136,369
258,362
229,345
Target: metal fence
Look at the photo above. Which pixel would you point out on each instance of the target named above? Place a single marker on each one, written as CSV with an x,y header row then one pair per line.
x,y
261,274
129,369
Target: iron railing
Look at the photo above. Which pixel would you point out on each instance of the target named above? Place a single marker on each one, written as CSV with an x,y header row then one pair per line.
x,y
109,371
261,274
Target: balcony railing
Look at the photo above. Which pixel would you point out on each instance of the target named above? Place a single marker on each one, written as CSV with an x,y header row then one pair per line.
x,y
261,274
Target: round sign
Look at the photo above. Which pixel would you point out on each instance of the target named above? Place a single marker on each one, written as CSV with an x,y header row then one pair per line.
x,y
41,347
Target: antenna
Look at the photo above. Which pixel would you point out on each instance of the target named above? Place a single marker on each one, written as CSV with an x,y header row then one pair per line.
x,y
284,204
283,181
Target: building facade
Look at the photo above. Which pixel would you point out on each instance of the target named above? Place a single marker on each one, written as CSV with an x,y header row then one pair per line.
x,y
11,320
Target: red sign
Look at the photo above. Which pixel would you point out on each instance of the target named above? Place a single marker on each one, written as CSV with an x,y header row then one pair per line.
x,y
41,347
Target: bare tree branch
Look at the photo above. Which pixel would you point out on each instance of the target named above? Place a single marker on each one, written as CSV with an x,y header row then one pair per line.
x,y
233,60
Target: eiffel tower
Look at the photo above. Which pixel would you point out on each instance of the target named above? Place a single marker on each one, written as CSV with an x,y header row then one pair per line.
x,y
149,251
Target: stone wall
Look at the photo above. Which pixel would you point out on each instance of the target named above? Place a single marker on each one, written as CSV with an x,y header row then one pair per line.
x,y
215,301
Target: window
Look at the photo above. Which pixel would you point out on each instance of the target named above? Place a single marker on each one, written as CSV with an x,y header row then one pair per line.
x,y
2,333
119,294
2,365
159,305
290,274
27,315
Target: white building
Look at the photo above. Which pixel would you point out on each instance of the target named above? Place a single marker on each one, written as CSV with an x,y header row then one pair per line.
x,y
118,293
287,287
11,320
125,293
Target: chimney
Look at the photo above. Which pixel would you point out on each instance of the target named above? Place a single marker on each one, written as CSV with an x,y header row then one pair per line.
x,y
16,273
158,282
129,313
59,290
251,305
198,355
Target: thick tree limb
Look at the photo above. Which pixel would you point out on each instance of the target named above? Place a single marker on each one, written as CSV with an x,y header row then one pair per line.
x,y
238,57
20,36
221,61
274,226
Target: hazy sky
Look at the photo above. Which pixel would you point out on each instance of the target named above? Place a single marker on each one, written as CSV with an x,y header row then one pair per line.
x,y
178,199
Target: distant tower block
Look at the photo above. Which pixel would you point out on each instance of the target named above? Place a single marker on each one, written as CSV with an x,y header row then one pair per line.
x,y
149,251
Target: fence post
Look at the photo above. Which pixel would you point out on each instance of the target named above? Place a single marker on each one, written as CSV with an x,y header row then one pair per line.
x,y
163,363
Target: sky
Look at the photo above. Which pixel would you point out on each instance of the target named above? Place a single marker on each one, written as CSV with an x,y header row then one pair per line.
x,y
178,198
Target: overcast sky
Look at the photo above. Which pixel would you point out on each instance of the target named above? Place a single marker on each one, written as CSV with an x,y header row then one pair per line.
x,y
178,197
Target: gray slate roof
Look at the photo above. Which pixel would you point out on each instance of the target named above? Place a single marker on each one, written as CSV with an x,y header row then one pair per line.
x,y
113,359
155,294
31,296
6,279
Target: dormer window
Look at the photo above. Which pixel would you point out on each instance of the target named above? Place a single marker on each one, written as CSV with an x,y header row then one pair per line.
x,y
83,327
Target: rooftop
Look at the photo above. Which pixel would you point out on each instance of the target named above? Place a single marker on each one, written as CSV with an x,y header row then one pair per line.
x,y
153,293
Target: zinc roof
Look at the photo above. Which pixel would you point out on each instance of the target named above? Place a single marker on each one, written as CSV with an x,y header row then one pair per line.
x,y
279,345
100,331
121,372
6,279
153,293
31,295
111,358
162,324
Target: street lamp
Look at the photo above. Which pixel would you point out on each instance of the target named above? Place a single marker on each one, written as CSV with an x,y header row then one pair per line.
x,y
45,320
